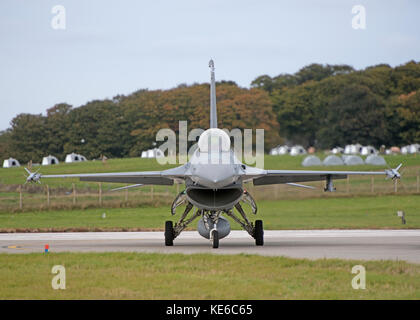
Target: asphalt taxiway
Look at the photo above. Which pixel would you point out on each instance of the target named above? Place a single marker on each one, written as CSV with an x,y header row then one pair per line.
x,y
313,244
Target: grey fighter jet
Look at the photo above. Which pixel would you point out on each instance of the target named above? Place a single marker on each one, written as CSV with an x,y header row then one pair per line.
x,y
214,184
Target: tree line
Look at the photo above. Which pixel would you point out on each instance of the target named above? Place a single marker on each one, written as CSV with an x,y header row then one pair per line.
x,y
126,125
320,105
333,105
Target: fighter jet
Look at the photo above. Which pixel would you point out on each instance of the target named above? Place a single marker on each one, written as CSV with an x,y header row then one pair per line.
x,y
214,184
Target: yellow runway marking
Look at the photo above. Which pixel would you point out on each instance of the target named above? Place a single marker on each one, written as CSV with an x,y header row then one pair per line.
x,y
14,247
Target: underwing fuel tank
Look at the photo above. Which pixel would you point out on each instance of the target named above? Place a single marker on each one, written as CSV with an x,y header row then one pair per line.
x,y
223,227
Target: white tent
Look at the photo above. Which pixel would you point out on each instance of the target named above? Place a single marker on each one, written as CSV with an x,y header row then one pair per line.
x,y
283,150
353,148
274,151
296,150
9,163
152,153
49,160
280,150
73,157
158,153
352,160
311,161
414,148
375,160
367,150
333,161
410,149
337,150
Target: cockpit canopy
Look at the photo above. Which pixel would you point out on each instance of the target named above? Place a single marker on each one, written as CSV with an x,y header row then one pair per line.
x,y
214,140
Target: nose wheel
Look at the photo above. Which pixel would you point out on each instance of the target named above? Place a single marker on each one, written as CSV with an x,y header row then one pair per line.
x,y
215,239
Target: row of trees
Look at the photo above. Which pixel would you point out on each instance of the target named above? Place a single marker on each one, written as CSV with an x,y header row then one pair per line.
x,y
326,106
320,105
127,125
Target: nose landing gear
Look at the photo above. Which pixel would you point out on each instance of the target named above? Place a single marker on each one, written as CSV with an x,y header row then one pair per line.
x,y
215,238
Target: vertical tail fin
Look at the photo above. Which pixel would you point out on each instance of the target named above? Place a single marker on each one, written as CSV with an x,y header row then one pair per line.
x,y
213,109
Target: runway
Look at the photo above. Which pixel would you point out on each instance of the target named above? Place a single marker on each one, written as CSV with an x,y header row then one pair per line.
x,y
313,244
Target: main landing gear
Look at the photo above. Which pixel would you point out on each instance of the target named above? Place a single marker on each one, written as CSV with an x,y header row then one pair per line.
x,y
211,218
256,231
259,233
169,233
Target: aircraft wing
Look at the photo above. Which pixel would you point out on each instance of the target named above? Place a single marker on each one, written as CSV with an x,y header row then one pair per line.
x,y
265,177
165,177
285,176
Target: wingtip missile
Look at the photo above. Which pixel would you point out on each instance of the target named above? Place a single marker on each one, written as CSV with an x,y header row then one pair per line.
x,y
393,173
33,177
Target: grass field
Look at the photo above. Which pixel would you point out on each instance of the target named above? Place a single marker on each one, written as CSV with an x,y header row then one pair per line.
x,y
59,194
360,202
158,276
317,213
203,276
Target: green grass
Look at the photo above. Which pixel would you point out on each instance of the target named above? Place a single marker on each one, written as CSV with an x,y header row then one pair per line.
x,y
34,196
203,276
328,212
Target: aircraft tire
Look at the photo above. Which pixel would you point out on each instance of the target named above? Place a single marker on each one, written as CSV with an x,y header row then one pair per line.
x,y
215,239
169,234
259,233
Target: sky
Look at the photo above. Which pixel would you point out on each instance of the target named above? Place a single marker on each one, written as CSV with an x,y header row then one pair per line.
x,y
117,47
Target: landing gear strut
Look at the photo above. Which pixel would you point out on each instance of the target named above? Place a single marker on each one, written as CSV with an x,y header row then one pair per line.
x,y
256,231
210,220
213,216
171,232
